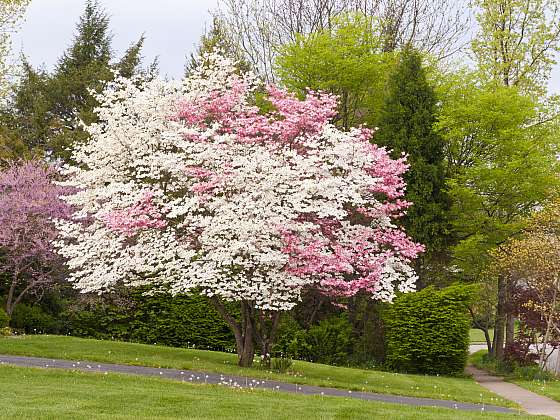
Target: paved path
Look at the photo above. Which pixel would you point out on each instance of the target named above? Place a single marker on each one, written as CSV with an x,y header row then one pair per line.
x,y
242,382
530,402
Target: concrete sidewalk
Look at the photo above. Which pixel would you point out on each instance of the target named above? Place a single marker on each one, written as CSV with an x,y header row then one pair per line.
x,y
243,382
530,402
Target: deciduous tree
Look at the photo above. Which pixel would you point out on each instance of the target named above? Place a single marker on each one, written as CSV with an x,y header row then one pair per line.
x,y
192,186
29,201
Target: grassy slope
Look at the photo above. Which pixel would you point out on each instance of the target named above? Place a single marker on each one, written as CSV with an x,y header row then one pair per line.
x,y
459,389
58,394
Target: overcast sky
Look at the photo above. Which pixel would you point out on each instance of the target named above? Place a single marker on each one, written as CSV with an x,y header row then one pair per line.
x,y
172,29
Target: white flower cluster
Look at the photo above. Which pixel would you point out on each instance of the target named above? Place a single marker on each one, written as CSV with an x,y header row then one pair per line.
x,y
225,242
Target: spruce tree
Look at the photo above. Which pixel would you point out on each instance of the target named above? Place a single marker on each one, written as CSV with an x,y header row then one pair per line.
x,y
48,109
406,125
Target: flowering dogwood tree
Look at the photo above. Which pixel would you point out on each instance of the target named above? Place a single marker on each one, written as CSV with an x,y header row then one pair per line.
x,y
29,201
194,186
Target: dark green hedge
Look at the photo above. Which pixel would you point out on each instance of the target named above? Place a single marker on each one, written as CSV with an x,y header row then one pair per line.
x,y
428,331
180,321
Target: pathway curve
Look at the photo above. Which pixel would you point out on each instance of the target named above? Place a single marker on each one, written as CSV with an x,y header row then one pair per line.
x,y
530,402
242,382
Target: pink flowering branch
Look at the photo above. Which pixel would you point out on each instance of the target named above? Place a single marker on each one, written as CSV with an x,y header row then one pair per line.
x,y
141,216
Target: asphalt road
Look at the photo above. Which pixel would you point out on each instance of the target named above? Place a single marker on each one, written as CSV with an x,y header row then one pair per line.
x,y
243,382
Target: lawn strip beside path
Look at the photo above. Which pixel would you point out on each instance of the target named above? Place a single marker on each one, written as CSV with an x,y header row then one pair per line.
x,y
242,382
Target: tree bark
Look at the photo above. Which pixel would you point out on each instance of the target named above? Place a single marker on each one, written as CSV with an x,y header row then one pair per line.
x,y
243,331
500,320
510,319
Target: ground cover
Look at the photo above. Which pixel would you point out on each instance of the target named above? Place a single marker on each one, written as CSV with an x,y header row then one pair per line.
x,y
49,394
72,348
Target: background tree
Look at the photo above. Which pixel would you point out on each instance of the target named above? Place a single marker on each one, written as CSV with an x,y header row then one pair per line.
x,y
534,261
216,40
501,153
29,201
516,41
47,110
261,27
406,126
11,12
345,59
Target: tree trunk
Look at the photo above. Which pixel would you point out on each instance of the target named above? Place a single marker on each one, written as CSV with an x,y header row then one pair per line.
x,y
243,331
510,319
266,333
10,298
548,330
500,320
510,329
488,341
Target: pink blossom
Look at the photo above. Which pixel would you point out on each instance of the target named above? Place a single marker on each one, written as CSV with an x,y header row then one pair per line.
x,y
129,221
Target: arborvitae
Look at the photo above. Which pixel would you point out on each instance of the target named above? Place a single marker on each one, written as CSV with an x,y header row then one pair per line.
x,y
406,125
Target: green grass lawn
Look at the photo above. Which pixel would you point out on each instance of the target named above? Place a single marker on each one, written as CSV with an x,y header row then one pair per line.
x,y
58,394
62,347
477,336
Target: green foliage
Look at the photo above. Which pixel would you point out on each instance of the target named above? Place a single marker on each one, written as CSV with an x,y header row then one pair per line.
x,y
406,125
428,331
328,342
516,41
47,110
345,59
217,40
180,321
32,319
4,318
501,155
281,364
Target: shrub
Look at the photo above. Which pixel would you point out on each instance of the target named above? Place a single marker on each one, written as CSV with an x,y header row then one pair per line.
x,y
328,342
180,321
33,319
428,331
4,319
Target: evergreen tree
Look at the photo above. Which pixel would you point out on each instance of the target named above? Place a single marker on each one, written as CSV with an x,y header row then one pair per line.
x,y
48,109
216,39
406,125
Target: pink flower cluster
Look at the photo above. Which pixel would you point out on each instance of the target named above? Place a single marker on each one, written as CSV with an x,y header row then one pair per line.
x,y
346,261
289,119
143,215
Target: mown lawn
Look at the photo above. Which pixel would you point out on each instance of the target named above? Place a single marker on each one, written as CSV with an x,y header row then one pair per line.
x,y
477,336
58,394
62,347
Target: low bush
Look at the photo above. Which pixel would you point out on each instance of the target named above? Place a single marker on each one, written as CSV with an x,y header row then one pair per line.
x,y
4,319
428,331
32,319
328,342
281,364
